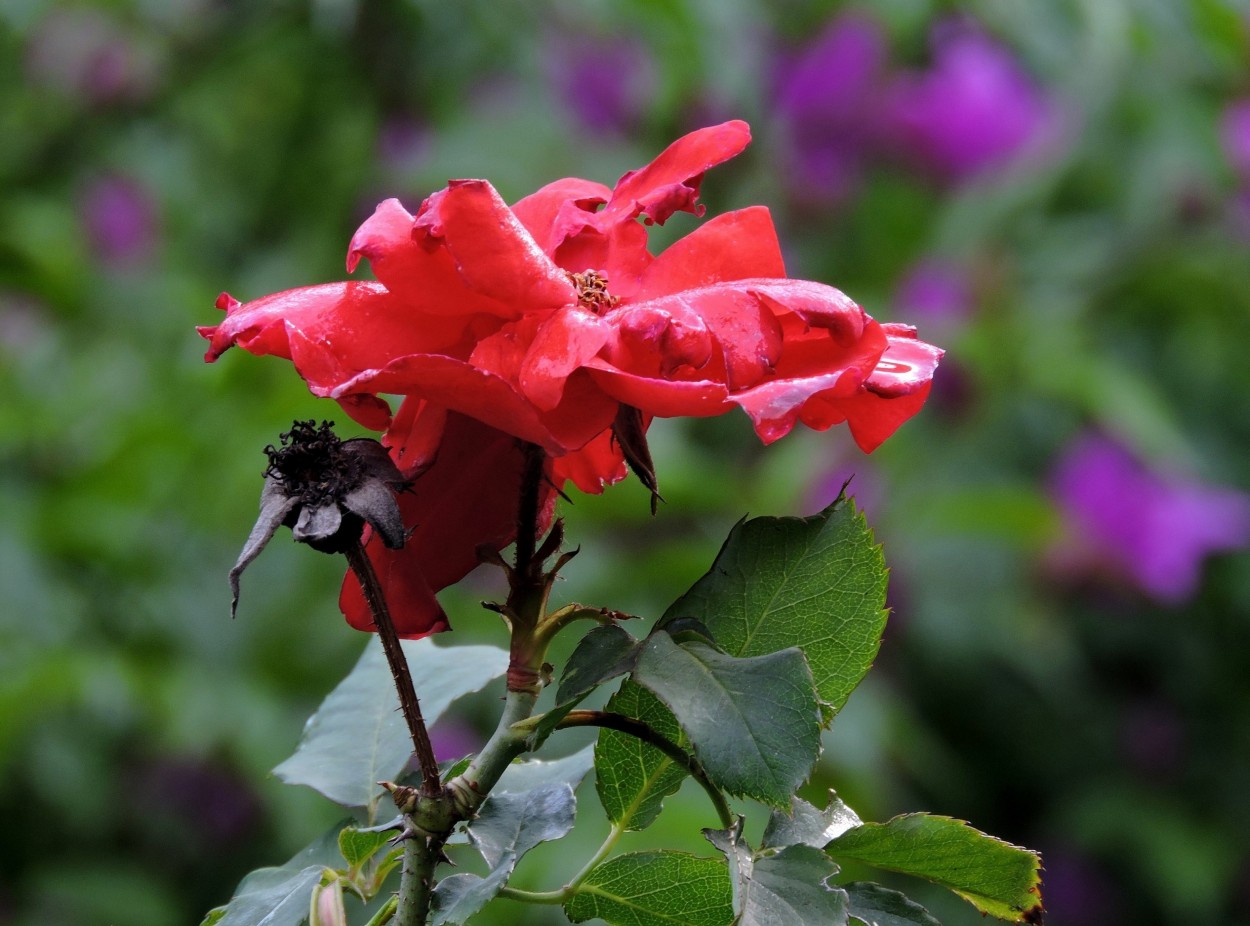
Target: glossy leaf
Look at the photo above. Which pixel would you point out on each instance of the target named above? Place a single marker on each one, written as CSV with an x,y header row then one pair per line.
x,y
458,897
806,825
510,823
753,723
279,896
996,877
874,905
358,736
603,654
507,826
632,777
786,888
358,846
655,889
527,774
817,583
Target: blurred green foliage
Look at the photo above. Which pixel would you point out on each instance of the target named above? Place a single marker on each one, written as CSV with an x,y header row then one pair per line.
x,y
155,153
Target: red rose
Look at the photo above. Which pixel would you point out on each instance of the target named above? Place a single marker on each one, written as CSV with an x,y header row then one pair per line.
x,y
543,321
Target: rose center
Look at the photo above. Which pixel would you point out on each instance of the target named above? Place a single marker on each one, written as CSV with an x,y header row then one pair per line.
x,y
592,290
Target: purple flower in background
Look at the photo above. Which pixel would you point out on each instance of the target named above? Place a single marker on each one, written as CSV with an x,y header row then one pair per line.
x,y
827,98
973,110
934,290
864,486
453,738
402,143
119,218
1235,135
1078,891
1153,530
82,53
606,84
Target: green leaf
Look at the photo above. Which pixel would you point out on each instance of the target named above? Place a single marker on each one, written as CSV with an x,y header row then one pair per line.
x,y
358,736
655,889
602,654
279,896
874,905
527,774
458,897
805,825
631,777
996,877
817,583
753,723
358,846
786,888
213,916
790,889
507,826
510,823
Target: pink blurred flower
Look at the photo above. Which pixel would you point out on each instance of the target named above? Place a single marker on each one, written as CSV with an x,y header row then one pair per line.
x,y
605,83
85,54
1150,529
119,217
402,142
975,109
1235,136
827,98
935,290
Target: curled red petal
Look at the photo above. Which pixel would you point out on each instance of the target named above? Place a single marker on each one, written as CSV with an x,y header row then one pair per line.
x,y
565,341
894,391
907,365
494,254
670,183
466,499
559,209
734,246
426,278
659,397
597,465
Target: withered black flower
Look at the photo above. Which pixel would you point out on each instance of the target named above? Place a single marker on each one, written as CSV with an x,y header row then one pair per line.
x,y
325,490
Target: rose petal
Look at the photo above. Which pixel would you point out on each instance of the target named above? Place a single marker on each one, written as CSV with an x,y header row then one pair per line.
x,y
466,499
426,278
494,253
562,344
597,465
559,209
735,246
671,182
349,327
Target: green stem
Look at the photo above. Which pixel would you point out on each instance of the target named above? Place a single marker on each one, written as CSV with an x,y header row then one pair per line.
x,y
468,789
385,913
640,730
417,881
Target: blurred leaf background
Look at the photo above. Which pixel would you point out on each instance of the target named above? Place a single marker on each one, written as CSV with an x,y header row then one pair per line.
x,y
1058,193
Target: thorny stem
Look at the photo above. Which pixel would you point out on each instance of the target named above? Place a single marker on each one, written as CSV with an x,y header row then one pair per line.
x,y
416,884
640,730
527,512
431,784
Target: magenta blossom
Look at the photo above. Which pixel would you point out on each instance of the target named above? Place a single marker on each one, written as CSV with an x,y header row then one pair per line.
x,y
1150,529
974,110
119,217
936,290
606,84
828,97
1235,136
